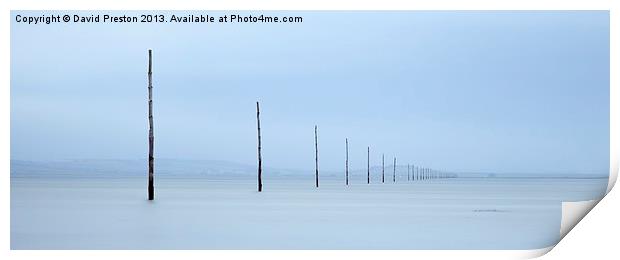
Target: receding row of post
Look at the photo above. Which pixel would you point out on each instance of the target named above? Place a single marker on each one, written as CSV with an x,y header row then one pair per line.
x,y
414,173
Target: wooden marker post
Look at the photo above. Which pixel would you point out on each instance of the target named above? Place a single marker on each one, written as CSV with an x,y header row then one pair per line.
x,y
316,157
151,187
260,161
346,167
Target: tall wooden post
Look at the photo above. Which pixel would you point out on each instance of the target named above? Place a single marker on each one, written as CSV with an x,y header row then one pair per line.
x,y
382,168
368,166
394,174
316,157
151,187
260,160
346,167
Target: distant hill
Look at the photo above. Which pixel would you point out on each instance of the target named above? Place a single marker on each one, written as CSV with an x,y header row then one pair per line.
x,y
213,168
163,167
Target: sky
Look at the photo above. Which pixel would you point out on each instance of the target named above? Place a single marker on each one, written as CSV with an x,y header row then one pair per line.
x,y
498,91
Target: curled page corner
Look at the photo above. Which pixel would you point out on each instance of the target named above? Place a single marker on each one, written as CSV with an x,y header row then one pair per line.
x,y
573,212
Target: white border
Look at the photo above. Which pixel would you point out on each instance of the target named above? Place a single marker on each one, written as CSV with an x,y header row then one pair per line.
x,y
290,5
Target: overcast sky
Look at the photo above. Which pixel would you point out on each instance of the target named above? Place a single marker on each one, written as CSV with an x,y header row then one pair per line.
x,y
468,91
